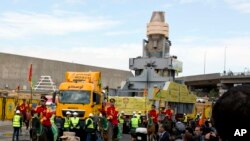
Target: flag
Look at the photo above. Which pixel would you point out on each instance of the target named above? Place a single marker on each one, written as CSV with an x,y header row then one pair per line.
x,y
18,88
145,92
157,92
30,75
202,119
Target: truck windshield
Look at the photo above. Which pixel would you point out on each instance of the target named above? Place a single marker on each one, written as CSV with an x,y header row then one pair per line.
x,y
76,97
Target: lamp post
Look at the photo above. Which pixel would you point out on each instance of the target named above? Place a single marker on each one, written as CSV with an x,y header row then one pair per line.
x,y
205,55
246,71
225,59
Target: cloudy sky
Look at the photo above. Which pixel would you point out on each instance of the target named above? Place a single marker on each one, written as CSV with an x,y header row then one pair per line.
x,y
107,33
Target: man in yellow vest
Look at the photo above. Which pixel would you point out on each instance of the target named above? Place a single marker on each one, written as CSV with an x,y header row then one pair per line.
x,y
16,123
66,124
90,128
121,118
134,123
185,120
139,118
75,123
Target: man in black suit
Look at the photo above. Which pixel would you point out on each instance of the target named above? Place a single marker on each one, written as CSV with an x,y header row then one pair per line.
x,y
164,134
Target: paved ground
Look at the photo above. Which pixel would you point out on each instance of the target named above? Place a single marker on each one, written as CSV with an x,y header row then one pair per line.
x,y
6,133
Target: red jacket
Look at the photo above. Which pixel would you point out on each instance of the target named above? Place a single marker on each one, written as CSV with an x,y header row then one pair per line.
x,y
169,113
112,115
23,108
154,115
45,115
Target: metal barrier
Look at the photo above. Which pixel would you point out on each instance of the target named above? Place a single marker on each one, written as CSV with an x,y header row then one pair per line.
x,y
230,73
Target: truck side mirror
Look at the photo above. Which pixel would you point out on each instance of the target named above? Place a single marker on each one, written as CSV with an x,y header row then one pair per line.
x,y
54,96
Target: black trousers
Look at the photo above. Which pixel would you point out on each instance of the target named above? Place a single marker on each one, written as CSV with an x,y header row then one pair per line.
x,y
156,131
49,132
15,133
115,131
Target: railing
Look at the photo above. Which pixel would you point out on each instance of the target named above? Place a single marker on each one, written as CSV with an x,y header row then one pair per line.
x,y
230,73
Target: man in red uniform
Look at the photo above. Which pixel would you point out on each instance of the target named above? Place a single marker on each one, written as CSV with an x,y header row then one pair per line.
x,y
112,116
23,109
45,114
169,114
153,113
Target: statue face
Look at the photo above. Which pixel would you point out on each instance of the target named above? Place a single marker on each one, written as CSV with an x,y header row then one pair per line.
x,y
155,44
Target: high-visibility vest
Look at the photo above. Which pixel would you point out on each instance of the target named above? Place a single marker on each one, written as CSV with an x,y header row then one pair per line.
x,y
16,121
66,122
134,122
75,121
139,118
185,118
197,117
121,120
91,126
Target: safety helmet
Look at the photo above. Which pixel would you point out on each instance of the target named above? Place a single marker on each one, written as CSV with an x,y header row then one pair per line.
x,y
91,115
17,112
68,113
139,112
122,112
100,115
134,112
75,113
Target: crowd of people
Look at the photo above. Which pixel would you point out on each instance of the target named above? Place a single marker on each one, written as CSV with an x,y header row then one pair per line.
x,y
230,115
230,112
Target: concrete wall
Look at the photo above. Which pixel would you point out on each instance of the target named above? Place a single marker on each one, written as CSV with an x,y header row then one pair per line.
x,y
14,71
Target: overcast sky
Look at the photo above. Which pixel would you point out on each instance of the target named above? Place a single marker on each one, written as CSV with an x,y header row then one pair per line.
x,y
107,33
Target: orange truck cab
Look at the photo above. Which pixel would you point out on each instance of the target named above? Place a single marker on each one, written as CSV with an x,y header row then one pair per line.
x,y
81,93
